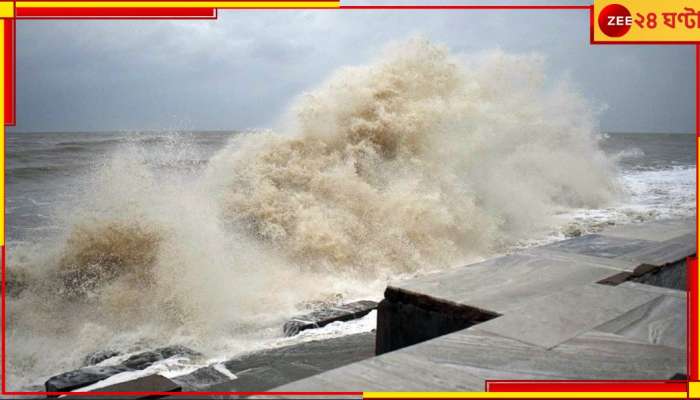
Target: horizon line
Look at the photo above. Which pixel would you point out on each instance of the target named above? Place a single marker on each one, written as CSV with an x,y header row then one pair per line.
x,y
11,130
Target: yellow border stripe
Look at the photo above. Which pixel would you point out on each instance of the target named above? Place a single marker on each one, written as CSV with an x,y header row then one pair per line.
x,y
527,395
693,390
178,4
7,9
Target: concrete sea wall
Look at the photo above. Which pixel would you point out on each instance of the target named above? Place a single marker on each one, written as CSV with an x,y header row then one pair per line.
x,y
603,306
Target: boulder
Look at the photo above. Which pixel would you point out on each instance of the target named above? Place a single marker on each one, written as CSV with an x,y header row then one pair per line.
x,y
82,377
145,359
99,356
324,316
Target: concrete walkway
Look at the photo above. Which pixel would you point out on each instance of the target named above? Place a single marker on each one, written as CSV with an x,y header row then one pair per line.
x,y
602,306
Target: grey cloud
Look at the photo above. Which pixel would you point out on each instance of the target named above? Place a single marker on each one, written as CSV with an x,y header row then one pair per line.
x,y
242,70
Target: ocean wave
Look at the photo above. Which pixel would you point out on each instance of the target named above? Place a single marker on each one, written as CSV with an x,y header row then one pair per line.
x,y
632,153
417,161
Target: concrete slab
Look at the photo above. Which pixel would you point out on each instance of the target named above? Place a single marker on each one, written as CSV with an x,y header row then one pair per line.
x,y
682,294
553,319
600,246
619,264
401,369
591,355
200,379
505,283
660,321
654,231
267,369
464,360
665,252
622,357
151,383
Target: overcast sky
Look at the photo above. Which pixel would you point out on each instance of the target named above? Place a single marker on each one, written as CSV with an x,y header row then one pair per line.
x,y
242,70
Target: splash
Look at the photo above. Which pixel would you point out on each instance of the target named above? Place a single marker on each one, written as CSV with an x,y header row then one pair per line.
x,y
417,161
99,253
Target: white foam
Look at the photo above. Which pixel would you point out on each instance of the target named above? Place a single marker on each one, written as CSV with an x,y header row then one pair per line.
x,y
169,368
221,368
648,195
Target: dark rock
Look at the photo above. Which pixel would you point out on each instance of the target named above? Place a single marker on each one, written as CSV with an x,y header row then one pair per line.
x,y
151,383
99,356
573,230
81,377
679,377
145,359
325,316
88,375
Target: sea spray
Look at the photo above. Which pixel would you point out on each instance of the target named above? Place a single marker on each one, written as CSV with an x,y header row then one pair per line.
x,y
417,161
144,261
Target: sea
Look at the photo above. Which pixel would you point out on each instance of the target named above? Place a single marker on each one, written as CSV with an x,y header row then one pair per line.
x,y
51,176
45,172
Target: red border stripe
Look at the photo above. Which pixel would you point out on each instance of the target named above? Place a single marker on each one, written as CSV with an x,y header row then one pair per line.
x,y
116,12
692,320
582,386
